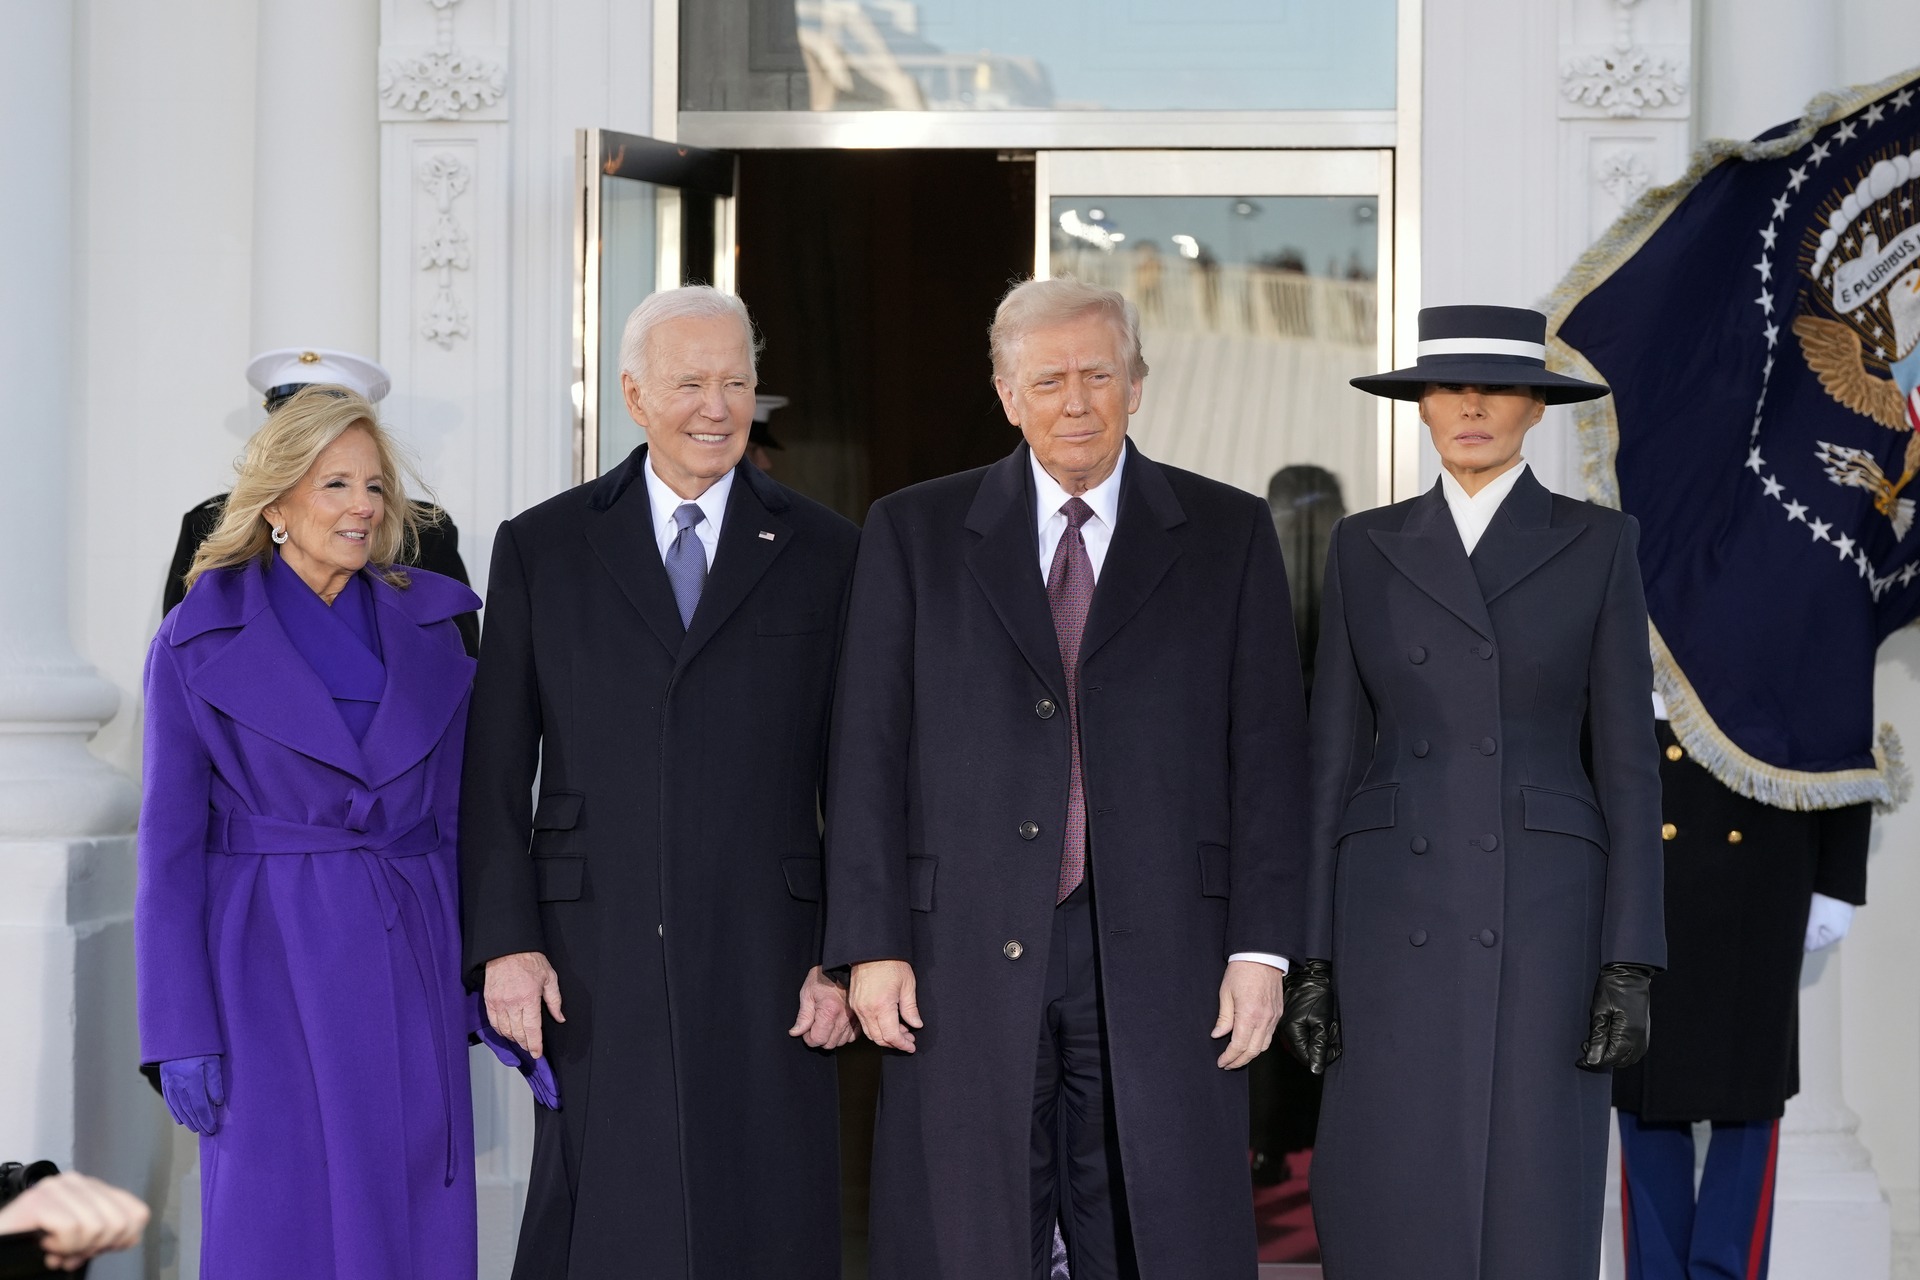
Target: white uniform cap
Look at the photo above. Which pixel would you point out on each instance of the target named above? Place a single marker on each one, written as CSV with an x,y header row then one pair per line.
x,y
763,406
272,369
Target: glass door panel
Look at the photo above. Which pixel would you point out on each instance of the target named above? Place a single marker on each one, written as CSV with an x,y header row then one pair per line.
x,y
653,215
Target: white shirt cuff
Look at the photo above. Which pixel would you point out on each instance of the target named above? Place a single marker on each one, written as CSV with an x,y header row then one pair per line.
x,y
1260,957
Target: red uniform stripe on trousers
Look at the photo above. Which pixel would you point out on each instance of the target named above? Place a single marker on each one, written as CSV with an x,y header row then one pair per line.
x,y
1626,1211
1763,1218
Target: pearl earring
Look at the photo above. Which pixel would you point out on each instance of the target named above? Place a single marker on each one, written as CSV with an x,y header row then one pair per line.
x,y
280,534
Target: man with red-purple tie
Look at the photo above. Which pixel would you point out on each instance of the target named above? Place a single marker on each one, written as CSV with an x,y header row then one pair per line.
x,y
1068,744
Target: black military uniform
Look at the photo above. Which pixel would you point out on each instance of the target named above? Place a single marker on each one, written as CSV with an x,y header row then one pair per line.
x,y
438,552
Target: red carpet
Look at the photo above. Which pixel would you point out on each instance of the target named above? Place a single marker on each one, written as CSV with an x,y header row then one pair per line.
x,y
1284,1215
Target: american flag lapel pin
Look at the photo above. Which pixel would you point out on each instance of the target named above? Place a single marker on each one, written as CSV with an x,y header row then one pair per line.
x,y
768,536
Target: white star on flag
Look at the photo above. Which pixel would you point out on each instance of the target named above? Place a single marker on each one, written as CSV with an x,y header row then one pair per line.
x,y
1755,461
1765,302
1797,177
1767,236
1846,132
1767,370
1820,528
1902,98
1780,207
1860,559
1820,152
1772,486
1845,545
1765,268
1876,113
1906,574
1796,511
1773,334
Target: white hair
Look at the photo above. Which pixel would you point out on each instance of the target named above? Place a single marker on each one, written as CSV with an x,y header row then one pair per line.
x,y
691,302
1040,304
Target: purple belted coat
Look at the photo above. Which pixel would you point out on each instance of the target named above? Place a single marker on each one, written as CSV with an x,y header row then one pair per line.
x,y
298,915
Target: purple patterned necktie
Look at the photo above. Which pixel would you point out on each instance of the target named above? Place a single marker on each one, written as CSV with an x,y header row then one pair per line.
x,y
686,561
1069,592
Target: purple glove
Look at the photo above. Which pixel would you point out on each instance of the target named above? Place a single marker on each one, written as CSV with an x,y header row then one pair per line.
x,y
546,1091
192,1088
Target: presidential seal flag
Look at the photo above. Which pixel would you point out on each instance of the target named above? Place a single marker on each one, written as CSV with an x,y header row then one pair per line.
x,y
1759,323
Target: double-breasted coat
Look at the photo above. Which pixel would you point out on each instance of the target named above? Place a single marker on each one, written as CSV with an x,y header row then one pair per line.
x,y
1740,876
670,870
298,915
947,799
1486,834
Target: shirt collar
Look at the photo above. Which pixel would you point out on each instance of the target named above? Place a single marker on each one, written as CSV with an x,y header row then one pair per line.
x,y
1490,497
664,501
1104,497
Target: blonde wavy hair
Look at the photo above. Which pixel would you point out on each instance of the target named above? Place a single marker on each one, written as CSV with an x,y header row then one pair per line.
x,y
278,457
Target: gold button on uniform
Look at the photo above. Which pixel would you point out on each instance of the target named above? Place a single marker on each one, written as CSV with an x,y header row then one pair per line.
x,y
1668,831
1012,950
1674,753
1734,837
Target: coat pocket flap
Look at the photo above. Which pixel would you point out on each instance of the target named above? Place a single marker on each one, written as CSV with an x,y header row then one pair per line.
x,y
803,877
558,878
1568,814
1367,811
557,811
1215,871
920,882
790,624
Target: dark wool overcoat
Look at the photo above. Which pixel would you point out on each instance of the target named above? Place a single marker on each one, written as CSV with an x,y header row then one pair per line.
x,y
670,871
1469,874
1727,1006
948,798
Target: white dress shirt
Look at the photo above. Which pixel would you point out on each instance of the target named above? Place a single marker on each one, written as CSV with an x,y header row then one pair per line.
x,y
1471,516
664,502
1097,533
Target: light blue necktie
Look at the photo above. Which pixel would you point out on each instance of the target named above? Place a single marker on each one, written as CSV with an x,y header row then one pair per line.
x,y
687,561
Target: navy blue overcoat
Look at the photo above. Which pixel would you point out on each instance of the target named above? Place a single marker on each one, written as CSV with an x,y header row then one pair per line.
x,y
1468,874
949,738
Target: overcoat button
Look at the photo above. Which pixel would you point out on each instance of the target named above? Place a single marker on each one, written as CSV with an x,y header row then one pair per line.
x,y
1044,708
1483,651
1486,746
1674,753
1028,830
1489,842
1734,837
1012,950
1420,749
1485,937
1416,655
1418,937
1668,831
1419,844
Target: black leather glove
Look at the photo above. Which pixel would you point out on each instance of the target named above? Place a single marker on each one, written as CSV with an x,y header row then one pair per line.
x,y
1620,1019
1310,1022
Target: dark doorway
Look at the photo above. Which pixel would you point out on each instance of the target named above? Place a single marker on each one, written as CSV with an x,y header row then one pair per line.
x,y
873,276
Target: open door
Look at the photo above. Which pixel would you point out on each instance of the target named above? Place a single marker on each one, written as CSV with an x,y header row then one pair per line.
x,y
651,215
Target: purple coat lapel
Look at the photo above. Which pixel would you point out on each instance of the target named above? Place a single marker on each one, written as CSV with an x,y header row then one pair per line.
x,y
260,680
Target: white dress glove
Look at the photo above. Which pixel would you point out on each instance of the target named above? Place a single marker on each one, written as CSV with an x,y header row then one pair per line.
x,y
1828,920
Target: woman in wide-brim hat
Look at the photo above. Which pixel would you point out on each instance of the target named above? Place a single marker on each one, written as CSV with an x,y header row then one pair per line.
x,y
1483,906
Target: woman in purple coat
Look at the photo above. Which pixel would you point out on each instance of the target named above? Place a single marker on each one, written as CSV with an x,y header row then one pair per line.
x,y
297,921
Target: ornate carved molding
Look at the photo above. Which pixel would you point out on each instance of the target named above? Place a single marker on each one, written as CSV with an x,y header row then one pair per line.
x,y
1626,80
445,177
444,82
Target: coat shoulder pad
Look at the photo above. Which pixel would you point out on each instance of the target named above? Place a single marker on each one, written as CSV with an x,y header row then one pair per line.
x,y
1609,521
429,597
818,520
1201,497
932,498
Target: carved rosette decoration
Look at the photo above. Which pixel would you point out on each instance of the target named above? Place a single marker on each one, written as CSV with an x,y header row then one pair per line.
x,y
445,177
443,82
1623,175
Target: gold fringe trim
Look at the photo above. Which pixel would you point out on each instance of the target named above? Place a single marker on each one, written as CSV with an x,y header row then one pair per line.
x,y
1889,784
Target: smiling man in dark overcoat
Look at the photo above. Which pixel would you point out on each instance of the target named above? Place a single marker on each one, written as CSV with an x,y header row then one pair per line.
x,y
1067,755
659,654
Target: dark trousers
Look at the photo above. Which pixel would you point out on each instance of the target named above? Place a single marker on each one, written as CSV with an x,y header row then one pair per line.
x,y
1720,1234
1076,1149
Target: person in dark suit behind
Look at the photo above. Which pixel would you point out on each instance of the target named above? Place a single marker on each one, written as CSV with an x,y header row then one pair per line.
x,y
659,654
1067,755
277,375
1484,874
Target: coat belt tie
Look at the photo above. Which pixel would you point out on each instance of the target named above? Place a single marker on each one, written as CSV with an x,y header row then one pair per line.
x,y
236,833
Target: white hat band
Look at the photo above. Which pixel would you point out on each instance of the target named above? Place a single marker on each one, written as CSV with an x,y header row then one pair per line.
x,y
1481,347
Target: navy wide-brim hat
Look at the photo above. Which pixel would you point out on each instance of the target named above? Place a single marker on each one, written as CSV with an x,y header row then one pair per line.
x,y
1482,346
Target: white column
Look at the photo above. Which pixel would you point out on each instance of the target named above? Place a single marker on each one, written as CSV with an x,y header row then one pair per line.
x,y
66,866
316,205
1830,1217
1764,61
